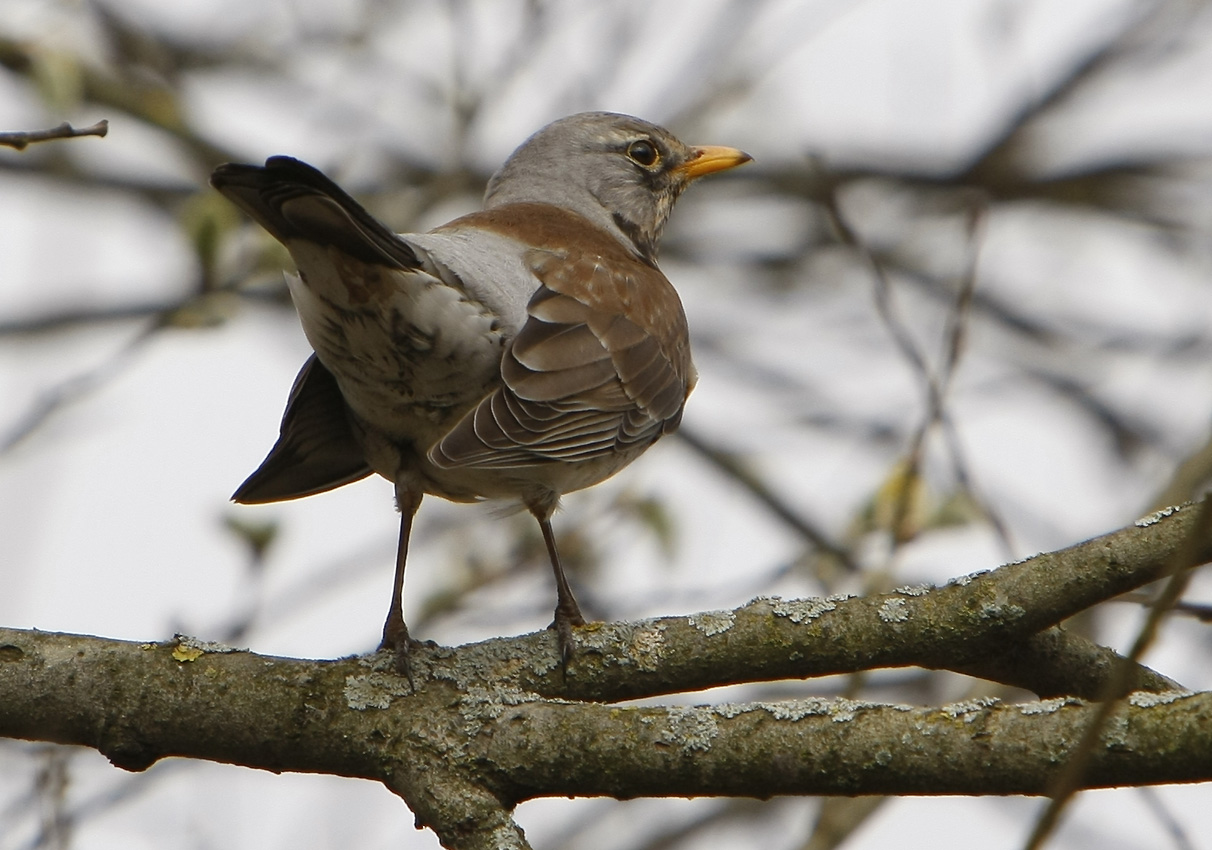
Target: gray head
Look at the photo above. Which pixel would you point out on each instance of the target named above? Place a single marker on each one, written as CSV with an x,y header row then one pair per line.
x,y
621,173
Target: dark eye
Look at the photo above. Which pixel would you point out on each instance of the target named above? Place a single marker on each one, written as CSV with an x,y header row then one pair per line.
x,y
643,153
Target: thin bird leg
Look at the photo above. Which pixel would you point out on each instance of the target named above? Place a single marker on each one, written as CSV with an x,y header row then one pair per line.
x,y
567,612
395,632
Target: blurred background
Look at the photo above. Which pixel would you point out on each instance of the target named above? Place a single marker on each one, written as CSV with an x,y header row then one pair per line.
x,y
955,313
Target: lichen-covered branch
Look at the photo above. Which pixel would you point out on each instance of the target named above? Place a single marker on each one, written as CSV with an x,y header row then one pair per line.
x,y
498,722
138,703
837,746
985,625
462,752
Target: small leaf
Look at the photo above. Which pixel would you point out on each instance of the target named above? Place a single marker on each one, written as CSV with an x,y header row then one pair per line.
x,y
258,536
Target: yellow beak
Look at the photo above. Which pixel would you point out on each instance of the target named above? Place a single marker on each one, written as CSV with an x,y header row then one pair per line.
x,y
710,159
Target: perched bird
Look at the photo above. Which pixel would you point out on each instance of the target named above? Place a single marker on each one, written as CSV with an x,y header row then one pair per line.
x,y
518,353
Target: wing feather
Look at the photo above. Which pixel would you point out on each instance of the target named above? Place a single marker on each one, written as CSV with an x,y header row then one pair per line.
x,y
601,367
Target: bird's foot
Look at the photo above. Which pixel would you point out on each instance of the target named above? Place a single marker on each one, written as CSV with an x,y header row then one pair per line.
x,y
400,643
565,620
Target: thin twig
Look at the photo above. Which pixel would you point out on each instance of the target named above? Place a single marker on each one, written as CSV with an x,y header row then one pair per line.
x,y
1166,818
73,389
935,386
1068,781
757,488
20,140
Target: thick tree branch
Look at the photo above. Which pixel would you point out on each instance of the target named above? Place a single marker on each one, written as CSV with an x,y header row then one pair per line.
x,y
138,703
461,750
982,624
820,746
1055,663
490,724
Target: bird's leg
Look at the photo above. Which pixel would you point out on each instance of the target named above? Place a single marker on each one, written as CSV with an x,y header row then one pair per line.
x,y
567,612
395,632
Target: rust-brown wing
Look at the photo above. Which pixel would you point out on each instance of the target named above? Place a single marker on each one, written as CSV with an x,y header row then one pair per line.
x,y
600,367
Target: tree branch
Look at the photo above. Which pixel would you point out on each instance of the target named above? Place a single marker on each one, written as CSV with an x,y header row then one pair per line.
x,y
822,746
983,625
462,750
492,724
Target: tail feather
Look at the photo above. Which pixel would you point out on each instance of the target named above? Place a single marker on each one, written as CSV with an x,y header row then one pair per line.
x,y
316,449
293,200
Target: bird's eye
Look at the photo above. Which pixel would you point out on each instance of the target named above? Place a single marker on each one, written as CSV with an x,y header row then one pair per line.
x,y
643,153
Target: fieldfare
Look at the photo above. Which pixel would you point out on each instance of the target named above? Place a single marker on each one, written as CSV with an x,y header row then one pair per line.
x,y
518,353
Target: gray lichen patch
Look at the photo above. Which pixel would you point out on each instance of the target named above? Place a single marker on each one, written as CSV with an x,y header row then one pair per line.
x,y
969,710
894,611
838,709
647,646
845,710
1000,610
643,643
914,589
1047,706
712,622
803,610
543,663
1145,699
187,649
482,704
729,710
798,709
691,729
1158,516
599,637
374,690
965,580
208,646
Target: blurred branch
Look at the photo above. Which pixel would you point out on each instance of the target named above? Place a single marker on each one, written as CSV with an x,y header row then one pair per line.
x,y
752,483
1189,479
72,390
21,140
1174,829
934,386
839,818
1128,434
74,317
51,787
1195,610
999,165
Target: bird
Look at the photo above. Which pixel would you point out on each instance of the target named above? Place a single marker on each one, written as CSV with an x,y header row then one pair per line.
x,y
517,353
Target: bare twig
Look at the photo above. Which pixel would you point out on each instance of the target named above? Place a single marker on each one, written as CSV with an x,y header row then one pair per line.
x,y
1069,781
934,385
774,503
20,140
72,390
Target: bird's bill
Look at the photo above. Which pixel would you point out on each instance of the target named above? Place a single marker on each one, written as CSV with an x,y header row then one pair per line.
x,y
712,158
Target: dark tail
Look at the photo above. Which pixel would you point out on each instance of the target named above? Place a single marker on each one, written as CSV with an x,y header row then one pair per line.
x,y
316,449
292,200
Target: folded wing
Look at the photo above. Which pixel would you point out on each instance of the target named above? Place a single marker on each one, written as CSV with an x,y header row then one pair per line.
x,y
587,375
